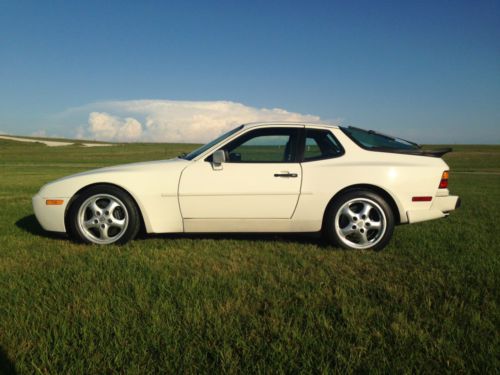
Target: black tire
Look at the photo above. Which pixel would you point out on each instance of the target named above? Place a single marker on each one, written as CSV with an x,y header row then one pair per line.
x,y
119,225
359,229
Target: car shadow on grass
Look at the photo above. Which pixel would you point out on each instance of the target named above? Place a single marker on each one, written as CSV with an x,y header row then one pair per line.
x,y
298,238
6,365
30,224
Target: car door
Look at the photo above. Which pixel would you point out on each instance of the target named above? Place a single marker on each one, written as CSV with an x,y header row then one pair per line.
x,y
260,179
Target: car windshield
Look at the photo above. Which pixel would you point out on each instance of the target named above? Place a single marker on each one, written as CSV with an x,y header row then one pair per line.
x,y
373,140
209,145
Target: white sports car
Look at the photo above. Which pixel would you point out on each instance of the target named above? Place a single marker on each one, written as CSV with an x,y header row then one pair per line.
x,y
353,185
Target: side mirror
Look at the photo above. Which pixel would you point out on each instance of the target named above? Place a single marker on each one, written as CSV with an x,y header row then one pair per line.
x,y
219,157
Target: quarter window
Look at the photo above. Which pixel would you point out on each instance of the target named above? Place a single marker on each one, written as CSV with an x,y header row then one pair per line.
x,y
321,144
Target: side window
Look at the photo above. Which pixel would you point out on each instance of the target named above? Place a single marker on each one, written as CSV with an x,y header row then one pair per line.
x,y
312,149
270,145
321,144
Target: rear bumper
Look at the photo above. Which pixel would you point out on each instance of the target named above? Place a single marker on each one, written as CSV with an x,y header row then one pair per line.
x,y
441,207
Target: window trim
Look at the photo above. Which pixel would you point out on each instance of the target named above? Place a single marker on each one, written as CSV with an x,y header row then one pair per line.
x,y
294,151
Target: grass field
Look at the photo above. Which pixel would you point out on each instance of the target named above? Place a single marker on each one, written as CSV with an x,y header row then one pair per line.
x,y
233,303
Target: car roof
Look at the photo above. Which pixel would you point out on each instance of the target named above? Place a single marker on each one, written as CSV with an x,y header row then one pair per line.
x,y
288,123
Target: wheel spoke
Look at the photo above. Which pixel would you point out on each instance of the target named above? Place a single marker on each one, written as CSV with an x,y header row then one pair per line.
x,y
365,211
91,223
347,231
363,239
117,223
349,213
111,206
94,207
104,232
375,224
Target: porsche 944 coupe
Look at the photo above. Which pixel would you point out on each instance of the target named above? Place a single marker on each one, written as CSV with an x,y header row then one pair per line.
x,y
351,184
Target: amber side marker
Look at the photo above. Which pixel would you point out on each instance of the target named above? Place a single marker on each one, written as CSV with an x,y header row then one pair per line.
x,y
54,202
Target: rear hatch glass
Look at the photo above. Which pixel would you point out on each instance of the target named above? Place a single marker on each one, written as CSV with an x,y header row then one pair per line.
x,y
375,141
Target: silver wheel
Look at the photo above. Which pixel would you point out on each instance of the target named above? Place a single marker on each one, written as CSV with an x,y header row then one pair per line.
x,y
102,219
360,223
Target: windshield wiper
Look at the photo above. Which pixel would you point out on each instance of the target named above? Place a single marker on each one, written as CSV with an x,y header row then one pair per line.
x,y
182,155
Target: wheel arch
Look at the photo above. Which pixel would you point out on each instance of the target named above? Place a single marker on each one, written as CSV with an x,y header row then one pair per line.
x,y
376,189
143,227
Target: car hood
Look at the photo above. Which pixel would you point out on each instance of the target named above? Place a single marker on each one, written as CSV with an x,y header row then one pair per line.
x,y
147,166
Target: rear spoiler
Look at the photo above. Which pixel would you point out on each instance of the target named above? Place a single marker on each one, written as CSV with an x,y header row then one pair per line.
x,y
437,153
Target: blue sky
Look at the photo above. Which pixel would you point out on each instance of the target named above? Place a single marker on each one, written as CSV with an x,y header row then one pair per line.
x,y
425,70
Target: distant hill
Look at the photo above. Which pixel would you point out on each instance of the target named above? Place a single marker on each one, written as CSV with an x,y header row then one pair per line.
x,y
55,142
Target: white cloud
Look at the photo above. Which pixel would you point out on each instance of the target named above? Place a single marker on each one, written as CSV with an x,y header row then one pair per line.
x,y
172,121
103,126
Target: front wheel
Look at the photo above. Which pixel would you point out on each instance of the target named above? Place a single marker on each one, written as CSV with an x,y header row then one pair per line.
x,y
359,219
103,215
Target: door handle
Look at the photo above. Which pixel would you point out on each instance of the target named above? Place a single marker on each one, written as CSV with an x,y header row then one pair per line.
x,y
286,174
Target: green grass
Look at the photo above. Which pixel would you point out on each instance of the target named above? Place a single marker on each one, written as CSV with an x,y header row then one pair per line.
x,y
235,303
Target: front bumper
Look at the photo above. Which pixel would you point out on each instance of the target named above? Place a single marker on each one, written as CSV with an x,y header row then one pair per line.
x,y
51,218
441,207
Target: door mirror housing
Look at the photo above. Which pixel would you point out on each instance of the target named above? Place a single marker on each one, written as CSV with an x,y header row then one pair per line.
x,y
219,157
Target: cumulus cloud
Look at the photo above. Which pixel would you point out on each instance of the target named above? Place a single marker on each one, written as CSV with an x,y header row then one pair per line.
x,y
107,127
173,121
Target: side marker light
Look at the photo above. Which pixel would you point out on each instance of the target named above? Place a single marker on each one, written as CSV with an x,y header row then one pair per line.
x,y
54,202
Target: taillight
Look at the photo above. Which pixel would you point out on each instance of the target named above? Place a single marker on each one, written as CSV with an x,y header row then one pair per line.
x,y
443,184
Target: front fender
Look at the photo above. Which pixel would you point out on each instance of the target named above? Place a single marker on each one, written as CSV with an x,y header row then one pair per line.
x,y
154,188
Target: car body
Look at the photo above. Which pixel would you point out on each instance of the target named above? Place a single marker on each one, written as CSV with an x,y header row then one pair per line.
x,y
259,177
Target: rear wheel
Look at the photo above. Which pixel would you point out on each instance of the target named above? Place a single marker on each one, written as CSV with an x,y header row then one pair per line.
x,y
103,215
359,219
